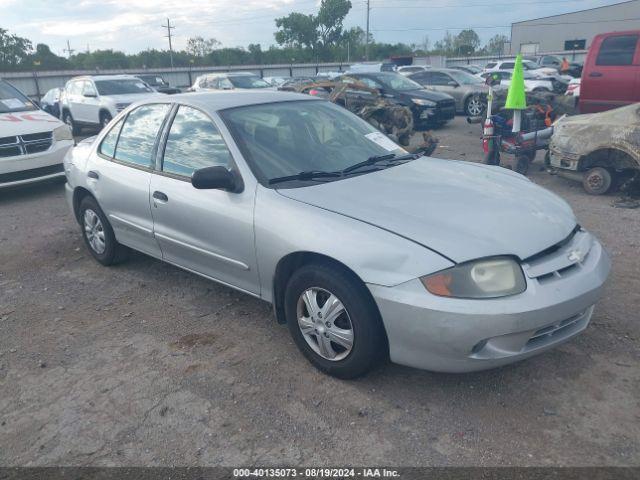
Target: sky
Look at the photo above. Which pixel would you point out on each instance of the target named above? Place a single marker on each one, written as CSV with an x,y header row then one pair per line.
x,y
136,25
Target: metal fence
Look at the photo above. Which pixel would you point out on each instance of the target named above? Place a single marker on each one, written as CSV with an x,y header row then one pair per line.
x,y
36,84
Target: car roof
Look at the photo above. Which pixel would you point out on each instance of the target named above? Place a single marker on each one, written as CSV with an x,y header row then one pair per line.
x,y
224,99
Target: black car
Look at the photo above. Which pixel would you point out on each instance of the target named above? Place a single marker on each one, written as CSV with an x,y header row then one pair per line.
x,y
429,108
159,84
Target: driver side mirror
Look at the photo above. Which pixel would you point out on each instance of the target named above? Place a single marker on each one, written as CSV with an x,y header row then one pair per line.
x,y
452,83
214,178
90,94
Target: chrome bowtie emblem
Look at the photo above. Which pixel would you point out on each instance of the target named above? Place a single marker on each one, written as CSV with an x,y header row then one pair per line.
x,y
575,256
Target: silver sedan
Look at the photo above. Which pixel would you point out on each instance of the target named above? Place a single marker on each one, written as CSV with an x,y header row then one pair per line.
x,y
365,251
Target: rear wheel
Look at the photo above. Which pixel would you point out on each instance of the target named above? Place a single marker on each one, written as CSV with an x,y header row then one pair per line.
x,y
333,321
597,181
98,234
68,119
105,118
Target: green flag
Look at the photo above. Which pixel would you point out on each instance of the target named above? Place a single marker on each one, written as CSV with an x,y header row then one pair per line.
x,y
516,99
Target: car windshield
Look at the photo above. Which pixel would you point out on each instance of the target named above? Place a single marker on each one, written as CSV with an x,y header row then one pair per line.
x,y
121,87
464,78
11,100
529,65
153,80
397,82
248,81
286,138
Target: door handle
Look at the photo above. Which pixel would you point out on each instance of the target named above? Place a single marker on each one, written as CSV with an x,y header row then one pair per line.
x,y
93,174
160,197
595,74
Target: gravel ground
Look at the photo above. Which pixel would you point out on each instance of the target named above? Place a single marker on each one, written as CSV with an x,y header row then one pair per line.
x,y
145,364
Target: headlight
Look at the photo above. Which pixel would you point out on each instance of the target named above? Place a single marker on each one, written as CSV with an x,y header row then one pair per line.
x,y
423,102
63,132
488,278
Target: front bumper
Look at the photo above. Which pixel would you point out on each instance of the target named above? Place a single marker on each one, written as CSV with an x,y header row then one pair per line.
x,y
563,159
459,335
24,169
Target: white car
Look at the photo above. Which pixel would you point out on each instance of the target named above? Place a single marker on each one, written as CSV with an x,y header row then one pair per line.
x,y
532,83
528,66
32,142
409,69
229,81
92,101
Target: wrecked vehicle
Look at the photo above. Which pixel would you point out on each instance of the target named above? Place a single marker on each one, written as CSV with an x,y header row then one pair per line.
x,y
386,114
599,149
366,252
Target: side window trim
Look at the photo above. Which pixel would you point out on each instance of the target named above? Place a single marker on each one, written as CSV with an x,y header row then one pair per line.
x,y
165,136
117,125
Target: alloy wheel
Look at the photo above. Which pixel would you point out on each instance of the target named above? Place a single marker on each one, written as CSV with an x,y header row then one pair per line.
x,y
474,106
94,231
325,324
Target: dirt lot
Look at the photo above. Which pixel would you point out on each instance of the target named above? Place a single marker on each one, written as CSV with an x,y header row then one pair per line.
x,y
145,364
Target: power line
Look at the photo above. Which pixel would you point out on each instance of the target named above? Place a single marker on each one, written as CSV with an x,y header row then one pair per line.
x,y
366,45
169,27
69,50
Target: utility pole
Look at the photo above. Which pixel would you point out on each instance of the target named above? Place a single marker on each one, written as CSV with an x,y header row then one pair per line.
x,y
366,45
169,27
69,50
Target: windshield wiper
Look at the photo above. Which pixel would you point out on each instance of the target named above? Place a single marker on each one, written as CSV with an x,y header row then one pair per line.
x,y
308,175
379,158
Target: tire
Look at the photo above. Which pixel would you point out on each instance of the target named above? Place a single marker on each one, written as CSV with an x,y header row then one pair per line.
x,y
105,118
68,119
323,286
108,251
597,181
474,107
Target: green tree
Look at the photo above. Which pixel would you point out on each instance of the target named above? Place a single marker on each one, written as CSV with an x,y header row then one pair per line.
x,y
330,18
466,42
495,45
200,47
297,30
14,50
44,59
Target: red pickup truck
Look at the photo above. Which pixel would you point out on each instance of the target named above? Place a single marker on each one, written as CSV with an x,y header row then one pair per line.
x,y
611,74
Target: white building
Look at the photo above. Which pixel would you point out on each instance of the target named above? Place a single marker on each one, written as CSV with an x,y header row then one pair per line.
x,y
573,31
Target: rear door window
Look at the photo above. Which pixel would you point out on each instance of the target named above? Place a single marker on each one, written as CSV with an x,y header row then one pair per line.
x,y
617,50
193,143
139,132
507,66
108,145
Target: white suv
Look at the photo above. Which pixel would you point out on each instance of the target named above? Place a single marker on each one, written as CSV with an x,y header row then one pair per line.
x,y
95,100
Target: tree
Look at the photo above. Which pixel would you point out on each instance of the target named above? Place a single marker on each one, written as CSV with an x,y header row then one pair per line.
x,y
14,50
495,45
45,59
330,18
446,45
297,30
466,42
199,47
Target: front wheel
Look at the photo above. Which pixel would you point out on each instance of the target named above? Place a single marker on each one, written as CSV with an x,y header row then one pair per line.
x,y
597,181
105,118
68,119
333,321
474,106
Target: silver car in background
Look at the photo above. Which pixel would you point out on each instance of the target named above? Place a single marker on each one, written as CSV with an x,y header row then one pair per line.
x,y
365,251
469,91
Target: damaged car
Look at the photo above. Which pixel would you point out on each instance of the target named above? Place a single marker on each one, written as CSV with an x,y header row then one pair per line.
x,y
365,251
599,149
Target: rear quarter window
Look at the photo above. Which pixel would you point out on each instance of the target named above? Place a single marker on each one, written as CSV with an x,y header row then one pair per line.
x,y
617,50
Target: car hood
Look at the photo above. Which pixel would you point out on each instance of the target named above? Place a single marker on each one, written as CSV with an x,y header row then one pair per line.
x,y
22,123
461,210
427,95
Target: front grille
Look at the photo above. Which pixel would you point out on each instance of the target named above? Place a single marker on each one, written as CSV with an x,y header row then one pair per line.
x,y
33,173
556,331
27,144
560,260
